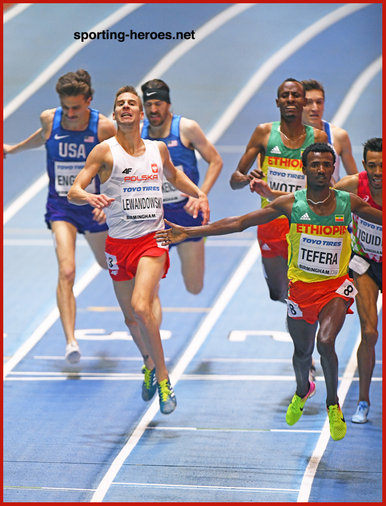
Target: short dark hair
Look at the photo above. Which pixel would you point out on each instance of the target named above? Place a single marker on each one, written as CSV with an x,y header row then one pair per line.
x,y
291,79
127,89
373,144
317,147
155,83
312,84
75,83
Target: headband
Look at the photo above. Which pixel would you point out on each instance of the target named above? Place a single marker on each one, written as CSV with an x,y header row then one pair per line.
x,y
156,94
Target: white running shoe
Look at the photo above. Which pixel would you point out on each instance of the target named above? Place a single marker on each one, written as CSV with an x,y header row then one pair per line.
x,y
360,415
72,353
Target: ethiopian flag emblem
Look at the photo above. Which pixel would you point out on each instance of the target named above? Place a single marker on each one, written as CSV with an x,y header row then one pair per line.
x,y
339,218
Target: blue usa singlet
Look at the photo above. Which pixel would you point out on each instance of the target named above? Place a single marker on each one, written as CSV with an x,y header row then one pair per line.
x,y
67,151
182,157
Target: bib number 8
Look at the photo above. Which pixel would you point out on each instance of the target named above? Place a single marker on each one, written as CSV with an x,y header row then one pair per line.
x,y
293,310
347,289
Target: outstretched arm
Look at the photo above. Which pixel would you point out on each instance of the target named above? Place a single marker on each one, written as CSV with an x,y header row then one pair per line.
x,y
35,140
175,234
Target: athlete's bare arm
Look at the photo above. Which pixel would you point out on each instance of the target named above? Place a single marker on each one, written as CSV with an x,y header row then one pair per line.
x,y
348,184
256,145
181,181
193,137
282,205
35,140
364,210
343,147
106,128
99,161
320,135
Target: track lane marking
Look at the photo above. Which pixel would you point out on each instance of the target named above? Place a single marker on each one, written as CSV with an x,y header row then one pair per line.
x,y
199,337
324,438
64,58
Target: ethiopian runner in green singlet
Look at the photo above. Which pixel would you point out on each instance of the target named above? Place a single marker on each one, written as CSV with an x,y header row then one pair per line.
x,y
320,291
278,148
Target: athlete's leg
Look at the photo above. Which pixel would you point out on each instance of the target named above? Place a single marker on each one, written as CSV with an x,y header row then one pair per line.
x,y
124,292
192,257
331,319
149,273
65,240
275,272
366,300
157,308
97,241
303,337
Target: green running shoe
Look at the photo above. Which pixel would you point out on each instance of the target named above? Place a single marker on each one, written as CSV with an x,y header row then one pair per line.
x,y
295,409
167,399
149,385
338,425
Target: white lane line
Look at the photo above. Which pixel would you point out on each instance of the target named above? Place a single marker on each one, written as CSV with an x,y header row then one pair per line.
x,y
115,309
204,31
199,337
96,358
355,91
249,89
48,321
14,11
66,489
40,184
64,57
31,242
201,33
270,65
228,429
63,376
206,487
321,445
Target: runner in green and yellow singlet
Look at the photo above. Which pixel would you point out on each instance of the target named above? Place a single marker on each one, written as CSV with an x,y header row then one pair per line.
x,y
320,290
278,147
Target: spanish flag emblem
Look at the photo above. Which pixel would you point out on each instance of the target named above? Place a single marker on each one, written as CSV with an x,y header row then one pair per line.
x,y
339,218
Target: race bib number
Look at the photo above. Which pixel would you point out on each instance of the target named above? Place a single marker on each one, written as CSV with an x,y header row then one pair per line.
x,y
347,289
286,180
65,174
112,263
293,310
319,255
369,236
358,264
170,192
142,202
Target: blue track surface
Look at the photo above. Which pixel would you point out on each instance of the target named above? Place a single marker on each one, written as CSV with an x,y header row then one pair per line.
x,y
227,441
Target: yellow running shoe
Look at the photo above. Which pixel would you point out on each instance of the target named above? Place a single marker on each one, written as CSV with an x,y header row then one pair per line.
x,y
149,385
295,409
167,399
338,425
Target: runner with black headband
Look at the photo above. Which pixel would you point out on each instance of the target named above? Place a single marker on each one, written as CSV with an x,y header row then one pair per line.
x,y
182,137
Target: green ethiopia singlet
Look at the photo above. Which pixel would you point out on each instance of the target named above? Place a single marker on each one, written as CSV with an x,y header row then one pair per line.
x,y
319,246
282,166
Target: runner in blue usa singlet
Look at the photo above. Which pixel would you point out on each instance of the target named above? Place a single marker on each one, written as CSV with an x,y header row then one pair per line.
x,y
67,151
184,159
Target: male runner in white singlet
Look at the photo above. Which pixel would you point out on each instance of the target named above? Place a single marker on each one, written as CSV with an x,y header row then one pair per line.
x,y
131,170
